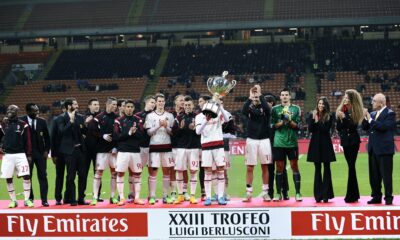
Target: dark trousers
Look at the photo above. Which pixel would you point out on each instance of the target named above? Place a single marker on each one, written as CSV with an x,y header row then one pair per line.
x,y
271,177
91,158
350,153
60,170
41,168
323,189
201,178
380,168
285,181
283,185
76,164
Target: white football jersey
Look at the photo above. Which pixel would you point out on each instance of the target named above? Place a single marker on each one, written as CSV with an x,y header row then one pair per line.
x,y
161,136
212,132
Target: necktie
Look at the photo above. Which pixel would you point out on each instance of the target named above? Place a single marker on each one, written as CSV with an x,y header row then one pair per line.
x,y
33,124
377,115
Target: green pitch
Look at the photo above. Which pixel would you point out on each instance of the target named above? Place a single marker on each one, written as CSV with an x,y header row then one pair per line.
x,y
237,176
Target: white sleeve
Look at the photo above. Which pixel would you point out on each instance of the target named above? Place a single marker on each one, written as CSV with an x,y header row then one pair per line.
x,y
201,123
227,115
150,126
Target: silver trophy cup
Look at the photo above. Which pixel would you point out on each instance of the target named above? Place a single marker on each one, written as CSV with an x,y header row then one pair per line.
x,y
218,86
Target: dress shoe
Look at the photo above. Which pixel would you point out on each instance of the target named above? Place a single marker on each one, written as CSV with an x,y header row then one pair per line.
x,y
58,203
388,200
325,200
375,201
285,196
82,202
67,201
45,204
74,204
100,200
349,200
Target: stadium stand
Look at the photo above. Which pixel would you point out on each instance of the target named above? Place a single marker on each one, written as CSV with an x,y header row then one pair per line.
x,y
237,59
81,14
306,9
164,12
6,60
369,66
9,15
334,90
105,63
357,55
22,94
65,14
236,98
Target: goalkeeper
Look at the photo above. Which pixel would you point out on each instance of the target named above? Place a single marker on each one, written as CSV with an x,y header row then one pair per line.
x,y
285,119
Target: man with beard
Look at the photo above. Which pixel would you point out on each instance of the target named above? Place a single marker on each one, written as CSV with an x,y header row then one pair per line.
x,y
72,129
58,159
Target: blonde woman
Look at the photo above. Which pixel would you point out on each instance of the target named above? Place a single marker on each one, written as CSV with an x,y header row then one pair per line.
x,y
349,115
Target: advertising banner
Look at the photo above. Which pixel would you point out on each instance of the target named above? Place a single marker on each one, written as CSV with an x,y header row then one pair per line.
x,y
238,147
203,223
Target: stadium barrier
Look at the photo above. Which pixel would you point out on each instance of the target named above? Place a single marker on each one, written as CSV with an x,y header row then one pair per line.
x,y
238,146
210,223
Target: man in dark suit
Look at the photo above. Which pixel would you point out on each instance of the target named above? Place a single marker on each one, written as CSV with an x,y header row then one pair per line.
x,y
40,140
58,159
381,124
71,129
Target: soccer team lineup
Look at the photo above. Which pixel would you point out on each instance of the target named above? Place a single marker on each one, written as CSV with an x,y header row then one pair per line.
x,y
190,147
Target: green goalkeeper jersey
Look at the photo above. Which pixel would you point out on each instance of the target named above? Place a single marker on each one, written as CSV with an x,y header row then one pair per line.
x,y
285,136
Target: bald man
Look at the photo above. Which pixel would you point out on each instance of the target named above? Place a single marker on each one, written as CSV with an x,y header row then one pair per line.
x,y
381,125
18,153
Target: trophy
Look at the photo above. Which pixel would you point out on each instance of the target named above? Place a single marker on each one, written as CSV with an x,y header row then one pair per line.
x,y
218,87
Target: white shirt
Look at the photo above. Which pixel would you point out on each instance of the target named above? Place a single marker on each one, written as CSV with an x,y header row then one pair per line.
x,y
161,136
212,132
378,113
33,125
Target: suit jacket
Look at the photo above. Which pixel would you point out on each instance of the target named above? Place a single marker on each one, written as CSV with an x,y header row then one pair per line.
x,y
381,132
55,136
40,137
347,131
65,131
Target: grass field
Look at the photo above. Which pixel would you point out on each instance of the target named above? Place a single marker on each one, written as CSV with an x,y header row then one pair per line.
x,y
237,179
